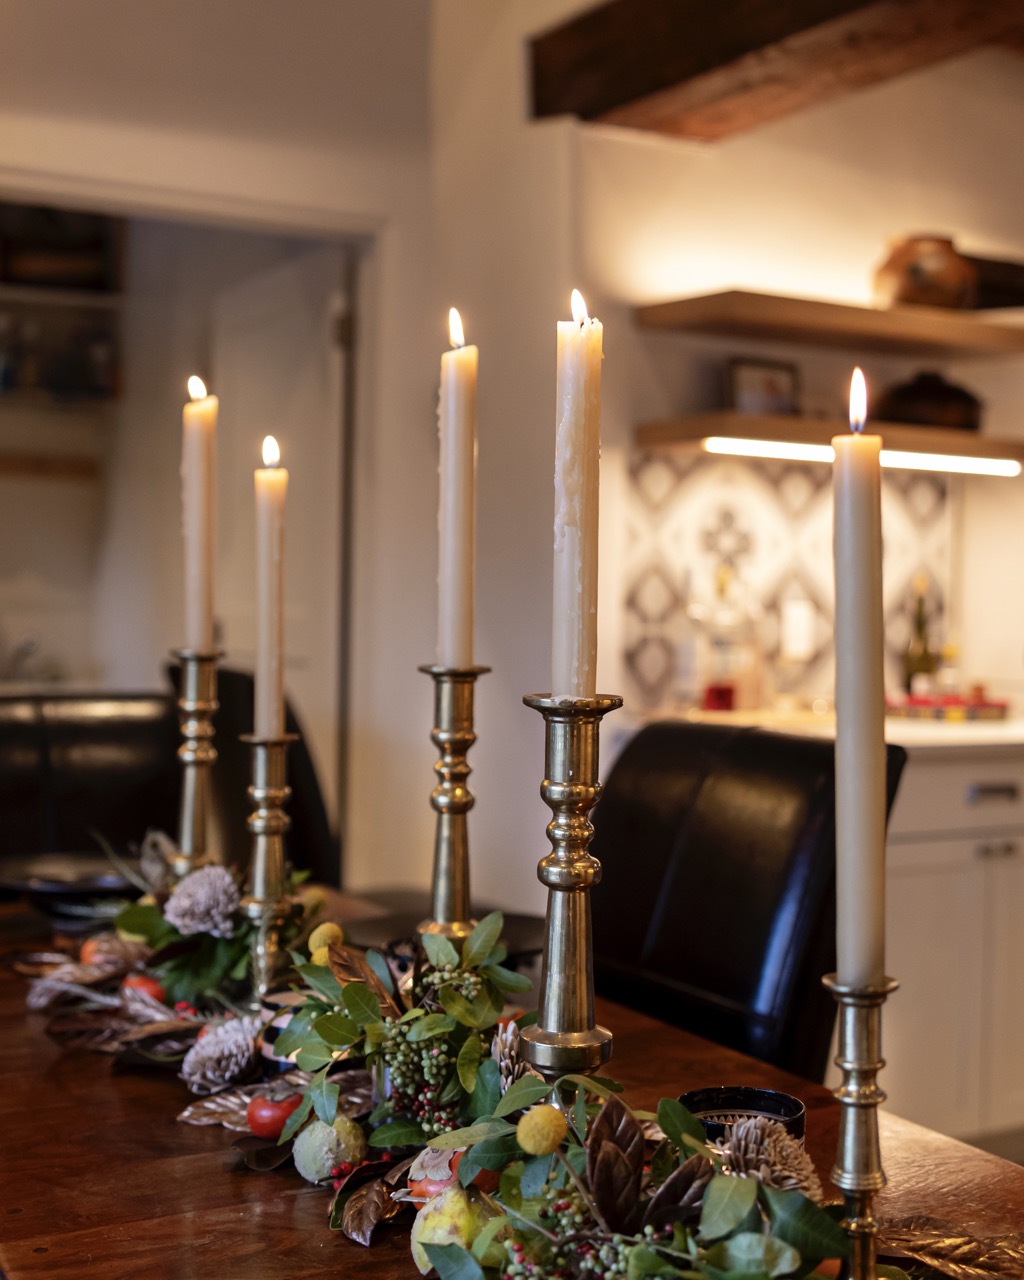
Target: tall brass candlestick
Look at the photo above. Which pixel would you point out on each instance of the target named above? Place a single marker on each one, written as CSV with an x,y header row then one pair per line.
x,y
565,1038
452,799
197,701
858,1169
266,900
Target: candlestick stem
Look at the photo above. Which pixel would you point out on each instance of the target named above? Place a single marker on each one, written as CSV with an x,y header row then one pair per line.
x,y
451,799
565,1038
858,1169
266,902
197,701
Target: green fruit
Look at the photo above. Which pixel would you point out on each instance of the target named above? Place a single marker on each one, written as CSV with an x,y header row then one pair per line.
x,y
455,1216
319,1147
351,1140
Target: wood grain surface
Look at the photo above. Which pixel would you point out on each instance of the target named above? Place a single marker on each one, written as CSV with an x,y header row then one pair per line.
x,y
97,1180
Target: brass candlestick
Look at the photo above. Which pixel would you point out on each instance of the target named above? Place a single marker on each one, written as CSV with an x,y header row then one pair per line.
x,y
565,1038
451,799
197,701
858,1169
266,902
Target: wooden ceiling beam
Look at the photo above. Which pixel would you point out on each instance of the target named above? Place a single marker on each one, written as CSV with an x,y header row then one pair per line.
x,y
707,70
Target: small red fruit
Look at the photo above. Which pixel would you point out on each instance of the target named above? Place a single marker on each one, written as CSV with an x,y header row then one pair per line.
x,y
267,1116
435,1178
144,983
91,951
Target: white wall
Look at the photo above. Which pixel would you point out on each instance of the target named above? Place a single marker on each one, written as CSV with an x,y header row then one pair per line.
x,y
306,117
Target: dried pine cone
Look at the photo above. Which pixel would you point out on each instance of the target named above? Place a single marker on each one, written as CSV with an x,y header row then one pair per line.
x,y
204,902
761,1148
226,1055
505,1052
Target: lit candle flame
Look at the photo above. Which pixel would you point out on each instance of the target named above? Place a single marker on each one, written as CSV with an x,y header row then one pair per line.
x,y
271,452
196,388
579,307
456,333
858,400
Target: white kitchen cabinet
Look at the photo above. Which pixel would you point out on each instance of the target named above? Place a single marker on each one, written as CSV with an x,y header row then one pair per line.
x,y
954,1031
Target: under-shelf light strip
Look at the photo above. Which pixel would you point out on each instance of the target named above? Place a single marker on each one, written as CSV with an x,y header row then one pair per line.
x,y
782,451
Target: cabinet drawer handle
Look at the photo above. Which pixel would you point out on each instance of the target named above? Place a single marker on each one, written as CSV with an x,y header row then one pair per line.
x,y
980,792
998,849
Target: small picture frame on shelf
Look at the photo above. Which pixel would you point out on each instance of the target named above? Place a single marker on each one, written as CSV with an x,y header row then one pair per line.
x,y
763,386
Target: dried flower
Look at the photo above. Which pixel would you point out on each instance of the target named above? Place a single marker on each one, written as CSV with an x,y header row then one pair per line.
x,y
541,1130
505,1052
762,1148
226,1054
155,857
204,902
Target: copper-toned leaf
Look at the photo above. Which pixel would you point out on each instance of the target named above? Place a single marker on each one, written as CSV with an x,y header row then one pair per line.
x,y
227,1108
680,1196
348,964
366,1208
615,1164
163,1027
952,1251
616,1124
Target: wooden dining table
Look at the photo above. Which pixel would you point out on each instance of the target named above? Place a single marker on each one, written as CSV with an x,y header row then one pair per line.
x,y
99,1181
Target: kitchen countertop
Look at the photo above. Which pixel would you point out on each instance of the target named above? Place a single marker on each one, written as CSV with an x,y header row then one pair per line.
x,y
920,737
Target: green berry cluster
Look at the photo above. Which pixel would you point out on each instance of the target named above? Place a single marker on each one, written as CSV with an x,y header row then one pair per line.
x,y
418,1072
467,982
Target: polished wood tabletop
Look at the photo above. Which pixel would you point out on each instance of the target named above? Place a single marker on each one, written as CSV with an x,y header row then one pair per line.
x,y
97,1180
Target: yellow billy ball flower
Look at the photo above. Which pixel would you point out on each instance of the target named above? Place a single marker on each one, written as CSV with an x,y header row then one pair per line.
x,y
320,956
541,1130
322,937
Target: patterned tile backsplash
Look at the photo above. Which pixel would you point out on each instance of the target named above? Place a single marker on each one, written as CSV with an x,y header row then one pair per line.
x,y
730,561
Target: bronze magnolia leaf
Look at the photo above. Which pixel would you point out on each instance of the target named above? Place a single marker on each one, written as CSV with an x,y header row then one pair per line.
x,y
615,1164
954,1252
366,1208
262,1154
350,965
163,1027
679,1197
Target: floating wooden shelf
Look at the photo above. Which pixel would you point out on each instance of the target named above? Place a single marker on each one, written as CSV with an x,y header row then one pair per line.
x,y
797,430
907,331
44,466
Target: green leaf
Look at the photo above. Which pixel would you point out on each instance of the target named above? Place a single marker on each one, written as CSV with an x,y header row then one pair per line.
x,y
645,1262
522,1093
336,1030
505,979
380,967
487,1090
478,945
146,920
361,1003
322,981
452,1089
471,1134
579,1115
311,1057
325,1097
498,955
752,1253
398,1133
603,1087
297,1119
439,950
486,1248
727,1202
510,1187
804,1225
452,1262
676,1122
479,1013
891,1273
434,1024
535,1174
411,1015
468,1062
492,1153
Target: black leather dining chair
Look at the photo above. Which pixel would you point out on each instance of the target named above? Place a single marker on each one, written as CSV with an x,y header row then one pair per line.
x,y
716,907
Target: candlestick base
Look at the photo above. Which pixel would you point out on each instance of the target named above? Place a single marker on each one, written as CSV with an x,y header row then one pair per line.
x,y
451,800
266,902
565,1038
858,1169
197,702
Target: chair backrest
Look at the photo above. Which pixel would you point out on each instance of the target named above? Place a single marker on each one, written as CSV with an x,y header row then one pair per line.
x,y
716,908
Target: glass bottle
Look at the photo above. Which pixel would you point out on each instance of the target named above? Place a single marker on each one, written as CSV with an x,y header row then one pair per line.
x,y
920,661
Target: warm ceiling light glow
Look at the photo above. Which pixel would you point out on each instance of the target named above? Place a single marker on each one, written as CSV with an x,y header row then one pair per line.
x,y
456,333
858,400
778,449
784,451
579,307
271,452
196,388
950,462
